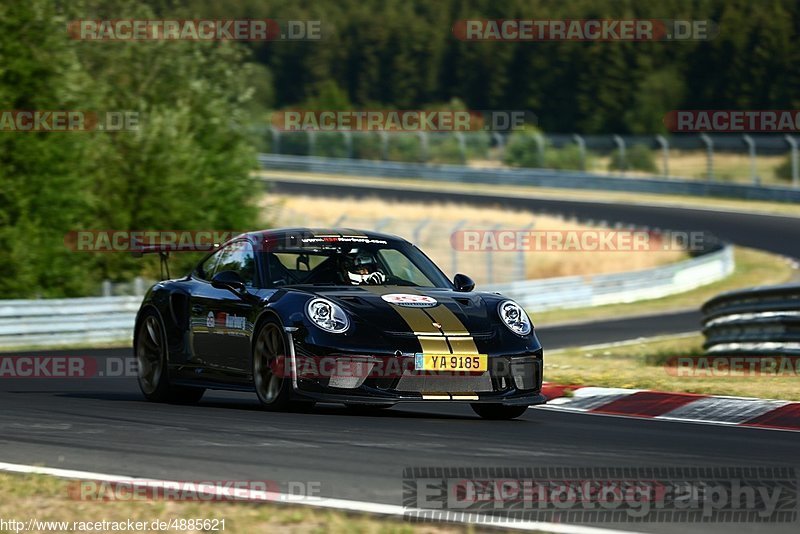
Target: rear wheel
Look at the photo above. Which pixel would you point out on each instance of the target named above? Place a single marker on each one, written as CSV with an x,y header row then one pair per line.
x,y
498,411
151,365
272,377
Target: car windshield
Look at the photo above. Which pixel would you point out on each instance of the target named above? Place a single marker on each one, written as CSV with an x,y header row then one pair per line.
x,y
352,264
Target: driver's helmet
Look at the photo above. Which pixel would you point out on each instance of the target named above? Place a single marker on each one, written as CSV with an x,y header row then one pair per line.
x,y
365,270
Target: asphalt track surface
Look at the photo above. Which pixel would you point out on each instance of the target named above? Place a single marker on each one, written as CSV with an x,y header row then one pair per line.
x,y
773,233
102,424
622,329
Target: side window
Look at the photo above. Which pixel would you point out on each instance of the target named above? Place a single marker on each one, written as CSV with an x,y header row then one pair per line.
x,y
238,257
209,267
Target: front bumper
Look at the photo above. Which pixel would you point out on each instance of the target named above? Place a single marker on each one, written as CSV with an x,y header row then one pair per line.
x,y
380,398
389,379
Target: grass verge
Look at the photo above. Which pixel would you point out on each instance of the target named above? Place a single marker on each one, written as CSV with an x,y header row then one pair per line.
x,y
46,498
645,364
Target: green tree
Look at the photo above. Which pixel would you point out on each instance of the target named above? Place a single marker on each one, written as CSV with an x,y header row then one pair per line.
x,y
45,187
186,167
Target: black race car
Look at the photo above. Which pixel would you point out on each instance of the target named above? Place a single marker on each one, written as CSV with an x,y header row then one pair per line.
x,y
359,318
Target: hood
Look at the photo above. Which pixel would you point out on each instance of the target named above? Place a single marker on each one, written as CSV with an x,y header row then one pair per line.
x,y
409,310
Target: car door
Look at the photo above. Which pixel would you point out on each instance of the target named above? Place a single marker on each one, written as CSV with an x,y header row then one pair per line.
x,y
222,321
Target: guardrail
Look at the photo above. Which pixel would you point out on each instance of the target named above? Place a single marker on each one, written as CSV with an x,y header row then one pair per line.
x,y
48,322
583,291
102,319
528,177
756,321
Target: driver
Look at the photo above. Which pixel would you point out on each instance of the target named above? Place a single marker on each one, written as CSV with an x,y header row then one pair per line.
x,y
365,271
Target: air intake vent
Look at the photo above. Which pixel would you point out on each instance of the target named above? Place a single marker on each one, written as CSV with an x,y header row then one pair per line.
x,y
353,299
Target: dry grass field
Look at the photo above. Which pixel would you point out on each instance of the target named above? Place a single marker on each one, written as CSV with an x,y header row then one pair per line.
x,y
691,164
44,500
430,226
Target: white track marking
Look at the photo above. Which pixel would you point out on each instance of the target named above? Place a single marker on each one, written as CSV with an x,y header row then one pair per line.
x,y
336,504
662,419
723,410
718,410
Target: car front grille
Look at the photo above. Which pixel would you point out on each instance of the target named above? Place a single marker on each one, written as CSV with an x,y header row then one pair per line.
x,y
522,372
434,383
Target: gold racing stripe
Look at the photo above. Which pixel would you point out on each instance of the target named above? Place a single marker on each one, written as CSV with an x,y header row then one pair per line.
x,y
463,345
451,338
457,334
432,339
433,344
451,325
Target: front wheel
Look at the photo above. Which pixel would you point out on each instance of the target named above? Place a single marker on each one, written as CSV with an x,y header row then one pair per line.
x,y
151,365
498,411
271,376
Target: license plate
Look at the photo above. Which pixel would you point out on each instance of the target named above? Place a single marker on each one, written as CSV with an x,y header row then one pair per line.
x,y
451,362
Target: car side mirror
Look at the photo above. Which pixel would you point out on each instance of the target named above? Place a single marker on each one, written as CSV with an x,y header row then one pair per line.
x,y
229,280
463,282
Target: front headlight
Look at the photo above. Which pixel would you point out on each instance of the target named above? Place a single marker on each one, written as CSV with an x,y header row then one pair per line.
x,y
327,315
514,317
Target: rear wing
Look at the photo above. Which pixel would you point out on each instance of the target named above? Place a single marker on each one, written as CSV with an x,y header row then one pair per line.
x,y
165,242
139,249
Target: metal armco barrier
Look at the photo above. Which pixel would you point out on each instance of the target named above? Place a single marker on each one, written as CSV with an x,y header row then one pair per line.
x,y
527,177
63,321
92,320
584,291
757,321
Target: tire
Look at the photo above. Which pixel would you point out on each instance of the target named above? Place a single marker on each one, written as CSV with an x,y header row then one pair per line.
x,y
274,391
498,411
152,372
